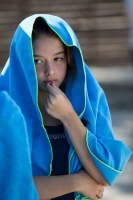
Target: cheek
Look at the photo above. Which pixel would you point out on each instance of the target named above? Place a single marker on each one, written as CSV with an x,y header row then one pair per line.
x,y
63,72
39,72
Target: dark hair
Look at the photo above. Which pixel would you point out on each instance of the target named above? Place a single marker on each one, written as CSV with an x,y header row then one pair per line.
x,y
41,28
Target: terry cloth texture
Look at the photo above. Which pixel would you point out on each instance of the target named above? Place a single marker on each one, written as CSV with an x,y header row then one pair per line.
x,y
15,162
19,80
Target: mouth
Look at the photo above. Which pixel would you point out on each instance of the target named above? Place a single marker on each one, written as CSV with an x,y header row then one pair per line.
x,y
50,82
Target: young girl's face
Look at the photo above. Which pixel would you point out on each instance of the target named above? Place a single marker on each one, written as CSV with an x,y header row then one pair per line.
x,y
50,60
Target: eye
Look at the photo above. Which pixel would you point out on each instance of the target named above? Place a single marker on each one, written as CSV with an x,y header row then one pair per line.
x,y
37,61
58,59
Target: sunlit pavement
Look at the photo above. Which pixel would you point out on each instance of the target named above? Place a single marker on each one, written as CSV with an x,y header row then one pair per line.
x,y
118,84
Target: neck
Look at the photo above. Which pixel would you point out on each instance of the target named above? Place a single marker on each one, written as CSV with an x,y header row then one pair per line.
x,y
48,120
42,96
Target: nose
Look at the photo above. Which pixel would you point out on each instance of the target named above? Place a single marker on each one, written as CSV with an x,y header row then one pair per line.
x,y
49,69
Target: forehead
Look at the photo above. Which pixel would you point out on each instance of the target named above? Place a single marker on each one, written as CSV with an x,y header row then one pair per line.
x,y
47,42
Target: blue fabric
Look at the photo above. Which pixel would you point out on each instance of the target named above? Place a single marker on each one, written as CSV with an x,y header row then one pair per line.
x,y
15,162
60,149
19,80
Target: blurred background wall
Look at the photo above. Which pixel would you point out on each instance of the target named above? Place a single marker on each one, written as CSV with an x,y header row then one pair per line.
x,y
102,28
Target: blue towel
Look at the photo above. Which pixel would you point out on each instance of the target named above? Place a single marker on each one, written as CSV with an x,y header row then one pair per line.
x,y
16,181
18,79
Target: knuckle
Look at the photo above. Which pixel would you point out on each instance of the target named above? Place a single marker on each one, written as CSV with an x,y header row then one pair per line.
x,y
48,107
58,96
100,187
52,100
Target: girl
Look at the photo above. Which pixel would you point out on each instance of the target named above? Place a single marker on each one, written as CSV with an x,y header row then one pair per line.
x,y
68,124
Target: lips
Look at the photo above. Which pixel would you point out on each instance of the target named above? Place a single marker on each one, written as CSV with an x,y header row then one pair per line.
x,y
50,82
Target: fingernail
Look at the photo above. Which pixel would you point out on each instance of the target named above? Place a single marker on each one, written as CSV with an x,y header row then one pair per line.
x,y
53,83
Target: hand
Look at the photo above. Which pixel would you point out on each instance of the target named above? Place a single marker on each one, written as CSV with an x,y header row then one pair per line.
x,y
89,187
57,104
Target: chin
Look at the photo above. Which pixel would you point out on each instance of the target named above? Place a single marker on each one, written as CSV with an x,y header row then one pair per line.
x,y
42,90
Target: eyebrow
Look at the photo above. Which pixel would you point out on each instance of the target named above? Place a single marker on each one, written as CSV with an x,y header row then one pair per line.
x,y
60,52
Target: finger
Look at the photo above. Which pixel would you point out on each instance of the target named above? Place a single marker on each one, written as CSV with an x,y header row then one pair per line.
x,y
53,85
50,98
46,104
97,197
101,189
49,101
52,88
100,194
